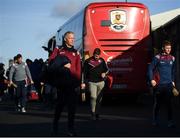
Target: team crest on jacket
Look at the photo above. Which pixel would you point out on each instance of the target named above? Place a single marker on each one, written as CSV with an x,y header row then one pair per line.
x,y
118,20
62,52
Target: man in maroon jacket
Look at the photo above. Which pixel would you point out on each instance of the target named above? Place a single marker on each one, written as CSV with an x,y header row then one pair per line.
x,y
66,92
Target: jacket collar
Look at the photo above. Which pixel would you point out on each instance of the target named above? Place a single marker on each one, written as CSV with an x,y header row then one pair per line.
x,y
67,48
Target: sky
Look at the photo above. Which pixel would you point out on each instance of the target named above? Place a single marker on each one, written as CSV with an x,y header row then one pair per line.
x,y
27,25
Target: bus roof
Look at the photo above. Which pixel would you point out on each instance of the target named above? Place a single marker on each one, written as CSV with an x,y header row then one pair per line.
x,y
102,4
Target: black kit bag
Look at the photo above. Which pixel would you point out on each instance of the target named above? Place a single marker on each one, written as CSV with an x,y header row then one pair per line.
x,y
58,75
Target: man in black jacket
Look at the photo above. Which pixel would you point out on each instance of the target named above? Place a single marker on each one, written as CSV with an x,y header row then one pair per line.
x,y
66,79
95,70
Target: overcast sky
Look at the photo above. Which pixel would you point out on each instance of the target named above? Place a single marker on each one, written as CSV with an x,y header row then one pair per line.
x,y
26,25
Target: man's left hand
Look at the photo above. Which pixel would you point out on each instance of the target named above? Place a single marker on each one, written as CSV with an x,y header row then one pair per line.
x,y
103,75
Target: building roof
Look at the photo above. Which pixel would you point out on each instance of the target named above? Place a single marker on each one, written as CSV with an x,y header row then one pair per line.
x,y
160,19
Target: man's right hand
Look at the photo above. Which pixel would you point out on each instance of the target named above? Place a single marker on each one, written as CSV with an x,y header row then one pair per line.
x,y
68,65
11,83
153,83
83,85
83,97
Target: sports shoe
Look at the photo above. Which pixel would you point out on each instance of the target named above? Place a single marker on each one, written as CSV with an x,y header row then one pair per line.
x,y
171,124
55,129
155,123
93,116
18,109
54,133
19,105
23,110
71,133
97,117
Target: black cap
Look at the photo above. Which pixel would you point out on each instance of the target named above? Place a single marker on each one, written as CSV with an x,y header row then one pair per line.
x,y
18,56
97,51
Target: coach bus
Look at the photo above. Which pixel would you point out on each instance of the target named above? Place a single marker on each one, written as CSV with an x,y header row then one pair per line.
x,y
122,31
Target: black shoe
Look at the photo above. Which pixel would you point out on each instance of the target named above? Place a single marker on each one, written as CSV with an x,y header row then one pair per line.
x,y
54,129
71,133
97,117
93,116
54,133
171,124
155,123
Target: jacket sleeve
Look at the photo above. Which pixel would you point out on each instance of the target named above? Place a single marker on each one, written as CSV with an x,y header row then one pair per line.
x,y
105,67
54,54
173,70
151,68
85,71
78,67
11,72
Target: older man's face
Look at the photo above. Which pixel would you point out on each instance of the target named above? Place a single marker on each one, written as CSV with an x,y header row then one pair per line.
x,y
69,39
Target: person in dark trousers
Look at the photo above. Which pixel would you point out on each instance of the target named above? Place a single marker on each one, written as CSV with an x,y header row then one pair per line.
x,y
68,60
17,77
162,90
11,89
3,81
95,71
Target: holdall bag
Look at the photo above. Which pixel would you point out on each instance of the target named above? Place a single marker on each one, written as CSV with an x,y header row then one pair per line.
x,y
33,94
175,91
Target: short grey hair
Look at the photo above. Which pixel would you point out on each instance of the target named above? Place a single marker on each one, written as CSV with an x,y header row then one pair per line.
x,y
67,33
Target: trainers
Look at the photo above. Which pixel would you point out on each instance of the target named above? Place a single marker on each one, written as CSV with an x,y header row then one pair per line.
x,y
71,133
18,109
23,110
155,123
19,106
55,129
171,124
97,117
54,133
93,116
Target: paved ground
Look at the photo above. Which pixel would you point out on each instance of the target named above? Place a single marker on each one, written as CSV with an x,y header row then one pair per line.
x,y
119,118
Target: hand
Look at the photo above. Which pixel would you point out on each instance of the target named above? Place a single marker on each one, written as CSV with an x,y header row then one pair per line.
x,y
153,83
6,81
83,85
173,84
32,82
103,75
10,83
68,65
83,97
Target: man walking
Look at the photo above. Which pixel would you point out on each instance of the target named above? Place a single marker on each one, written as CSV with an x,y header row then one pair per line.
x,y
67,82
19,72
95,71
164,64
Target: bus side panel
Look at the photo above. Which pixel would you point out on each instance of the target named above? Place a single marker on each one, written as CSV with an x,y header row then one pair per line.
x,y
126,52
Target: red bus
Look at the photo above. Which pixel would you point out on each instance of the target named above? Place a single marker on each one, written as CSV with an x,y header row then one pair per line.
x,y
122,31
